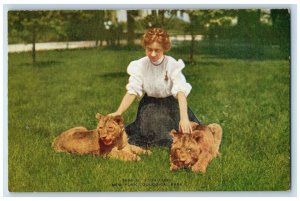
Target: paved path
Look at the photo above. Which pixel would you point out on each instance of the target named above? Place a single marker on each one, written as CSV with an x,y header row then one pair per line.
x,y
50,46
78,44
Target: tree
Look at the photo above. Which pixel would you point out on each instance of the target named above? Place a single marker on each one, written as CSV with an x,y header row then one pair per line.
x,y
248,24
205,22
131,14
281,20
160,18
99,26
198,20
83,25
31,24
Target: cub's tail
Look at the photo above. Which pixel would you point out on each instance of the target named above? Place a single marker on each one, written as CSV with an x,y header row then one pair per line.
x,y
57,144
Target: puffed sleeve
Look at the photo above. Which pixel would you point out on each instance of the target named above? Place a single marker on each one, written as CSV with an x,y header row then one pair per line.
x,y
178,79
135,82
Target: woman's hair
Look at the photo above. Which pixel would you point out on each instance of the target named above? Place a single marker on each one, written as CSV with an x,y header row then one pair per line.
x,y
158,35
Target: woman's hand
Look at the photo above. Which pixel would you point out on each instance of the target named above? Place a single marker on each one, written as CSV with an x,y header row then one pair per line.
x,y
185,126
115,114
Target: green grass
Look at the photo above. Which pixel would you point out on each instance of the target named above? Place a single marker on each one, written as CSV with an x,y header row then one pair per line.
x,y
249,98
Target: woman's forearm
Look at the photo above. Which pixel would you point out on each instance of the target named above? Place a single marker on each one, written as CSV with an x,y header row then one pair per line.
x,y
182,105
126,102
184,123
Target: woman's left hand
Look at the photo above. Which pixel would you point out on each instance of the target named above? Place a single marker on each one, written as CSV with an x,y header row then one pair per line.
x,y
185,126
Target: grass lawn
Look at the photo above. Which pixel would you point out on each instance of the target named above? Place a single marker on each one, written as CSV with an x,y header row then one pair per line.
x,y
249,98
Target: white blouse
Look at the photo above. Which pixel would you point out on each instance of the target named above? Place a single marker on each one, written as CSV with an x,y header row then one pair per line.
x,y
158,81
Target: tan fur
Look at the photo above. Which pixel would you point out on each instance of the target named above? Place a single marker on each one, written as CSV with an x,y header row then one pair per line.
x,y
109,139
77,140
195,150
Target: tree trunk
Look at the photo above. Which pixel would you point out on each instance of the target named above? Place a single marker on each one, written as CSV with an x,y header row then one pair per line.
x,y
162,17
192,48
33,45
130,27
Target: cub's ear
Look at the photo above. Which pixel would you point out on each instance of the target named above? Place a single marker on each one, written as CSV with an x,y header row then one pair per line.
x,y
99,116
119,119
174,133
197,135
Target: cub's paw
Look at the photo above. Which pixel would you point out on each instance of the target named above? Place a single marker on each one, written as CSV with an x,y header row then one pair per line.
x,y
173,167
147,152
137,158
199,168
134,157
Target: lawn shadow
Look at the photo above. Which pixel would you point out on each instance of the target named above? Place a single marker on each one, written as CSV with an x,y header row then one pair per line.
x,y
201,63
114,75
235,50
42,64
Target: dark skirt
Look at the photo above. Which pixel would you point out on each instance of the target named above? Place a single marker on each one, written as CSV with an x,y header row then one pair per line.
x,y
156,117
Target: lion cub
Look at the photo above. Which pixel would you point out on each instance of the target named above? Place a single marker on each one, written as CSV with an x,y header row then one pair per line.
x,y
109,139
195,150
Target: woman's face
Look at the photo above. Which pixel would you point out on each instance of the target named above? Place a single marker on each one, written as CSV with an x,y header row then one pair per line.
x,y
154,51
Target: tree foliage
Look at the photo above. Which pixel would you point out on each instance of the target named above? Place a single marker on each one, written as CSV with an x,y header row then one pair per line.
x,y
30,25
244,25
206,23
282,28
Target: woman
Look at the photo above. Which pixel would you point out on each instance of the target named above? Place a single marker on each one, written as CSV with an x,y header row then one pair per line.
x,y
159,80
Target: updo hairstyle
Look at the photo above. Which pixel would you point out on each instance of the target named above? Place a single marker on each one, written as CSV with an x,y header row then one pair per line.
x,y
158,35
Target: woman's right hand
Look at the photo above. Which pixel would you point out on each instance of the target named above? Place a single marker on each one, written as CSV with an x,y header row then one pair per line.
x,y
115,114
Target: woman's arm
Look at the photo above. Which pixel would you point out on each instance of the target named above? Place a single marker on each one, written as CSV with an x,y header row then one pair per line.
x,y
184,124
124,105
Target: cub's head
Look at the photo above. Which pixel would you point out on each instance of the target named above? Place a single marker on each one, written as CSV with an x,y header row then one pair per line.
x,y
184,150
109,128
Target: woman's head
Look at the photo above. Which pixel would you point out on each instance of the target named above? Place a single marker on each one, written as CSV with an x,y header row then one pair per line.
x,y
156,42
